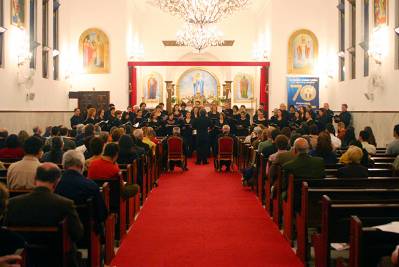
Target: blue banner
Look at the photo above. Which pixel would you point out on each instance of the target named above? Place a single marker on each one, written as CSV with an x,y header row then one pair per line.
x,y
303,91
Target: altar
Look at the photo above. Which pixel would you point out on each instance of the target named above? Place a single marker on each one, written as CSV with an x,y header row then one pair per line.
x,y
209,82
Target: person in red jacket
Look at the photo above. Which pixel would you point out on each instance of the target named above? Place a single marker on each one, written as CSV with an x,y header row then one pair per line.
x,y
13,149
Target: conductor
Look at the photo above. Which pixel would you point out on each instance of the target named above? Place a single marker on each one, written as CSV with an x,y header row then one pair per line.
x,y
202,125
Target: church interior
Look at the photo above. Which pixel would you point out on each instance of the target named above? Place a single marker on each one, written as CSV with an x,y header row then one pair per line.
x,y
199,133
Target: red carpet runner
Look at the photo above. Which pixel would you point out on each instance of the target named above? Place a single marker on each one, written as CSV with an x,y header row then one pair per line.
x,y
203,218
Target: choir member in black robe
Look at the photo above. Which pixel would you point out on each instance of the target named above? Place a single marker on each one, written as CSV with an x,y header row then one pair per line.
x,y
227,110
91,116
244,109
100,116
76,119
202,125
187,133
176,112
260,119
322,119
344,116
243,124
107,114
117,121
214,116
139,118
297,121
155,123
183,109
171,122
236,112
281,121
143,107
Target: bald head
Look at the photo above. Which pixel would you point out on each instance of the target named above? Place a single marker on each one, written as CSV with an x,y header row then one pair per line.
x,y
48,173
301,146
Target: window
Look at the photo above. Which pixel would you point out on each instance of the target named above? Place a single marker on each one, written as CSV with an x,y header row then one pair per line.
x,y
397,34
33,32
56,57
2,30
366,37
352,29
45,47
341,8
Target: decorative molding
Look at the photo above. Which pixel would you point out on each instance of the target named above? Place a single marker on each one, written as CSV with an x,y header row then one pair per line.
x,y
174,43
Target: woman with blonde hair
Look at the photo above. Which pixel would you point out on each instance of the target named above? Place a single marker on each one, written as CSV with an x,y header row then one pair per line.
x,y
91,116
352,159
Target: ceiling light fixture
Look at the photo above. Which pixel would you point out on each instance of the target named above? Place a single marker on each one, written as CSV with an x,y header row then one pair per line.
x,y
199,37
201,11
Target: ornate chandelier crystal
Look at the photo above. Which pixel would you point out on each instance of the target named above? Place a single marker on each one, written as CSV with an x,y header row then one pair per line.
x,y
199,37
201,12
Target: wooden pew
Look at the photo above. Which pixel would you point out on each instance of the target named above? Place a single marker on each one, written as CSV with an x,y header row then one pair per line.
x,y
261,176
126,172
365,239
9,160
117,204
373,172
309,216
43,242
110,223
91,239
335,222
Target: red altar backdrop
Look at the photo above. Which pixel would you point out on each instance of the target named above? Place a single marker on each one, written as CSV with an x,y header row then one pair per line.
x,y
264,73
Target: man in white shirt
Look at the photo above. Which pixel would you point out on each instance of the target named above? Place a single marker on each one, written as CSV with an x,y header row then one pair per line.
x,y
363,138
393,147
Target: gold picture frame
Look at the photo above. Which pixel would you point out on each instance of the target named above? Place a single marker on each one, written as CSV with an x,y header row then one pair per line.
x,y
18,13
380,13
303,52
243,79
94,51
149,81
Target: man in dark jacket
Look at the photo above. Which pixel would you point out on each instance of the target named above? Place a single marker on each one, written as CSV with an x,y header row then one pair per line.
x,y
303,165
73,185
202,125
44,208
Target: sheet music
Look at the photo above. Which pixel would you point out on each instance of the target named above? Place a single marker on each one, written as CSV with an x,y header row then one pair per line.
x,y
392,227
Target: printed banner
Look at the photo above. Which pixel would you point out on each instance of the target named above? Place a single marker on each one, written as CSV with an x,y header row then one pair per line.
x,y
303,91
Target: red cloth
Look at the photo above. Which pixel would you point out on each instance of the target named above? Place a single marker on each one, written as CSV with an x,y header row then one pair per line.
x,y
154,140
12,153
103,169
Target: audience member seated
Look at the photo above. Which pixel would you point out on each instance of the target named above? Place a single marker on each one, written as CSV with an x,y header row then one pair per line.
x,y
313,136
324,149
127,152
265,139
56,151
148,141
68,142
13,149
341,131
22,137
9,241
353,168
138,140
371,136
365,161
3,137
21,174
55,131
303,165
96,149
176,133
282,144
226,132
349,137
393,147
75,186
88,133
44,208
363,139
107,168
335,141
272,148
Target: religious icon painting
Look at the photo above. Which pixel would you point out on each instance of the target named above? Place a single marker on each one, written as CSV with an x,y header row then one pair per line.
x,y
94,51
153,87
18,13
380,11
243,87
303,49
197,84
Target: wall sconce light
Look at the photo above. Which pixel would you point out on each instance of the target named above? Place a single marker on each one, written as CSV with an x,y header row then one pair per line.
x,y
55,52
397,30
364,45
341,54
46,48
34,45
3,29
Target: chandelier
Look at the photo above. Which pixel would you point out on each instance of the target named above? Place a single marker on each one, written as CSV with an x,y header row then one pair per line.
x,y
201,12
199,37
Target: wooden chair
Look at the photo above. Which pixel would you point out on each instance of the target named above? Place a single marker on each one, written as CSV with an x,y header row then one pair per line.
x,y
225,151
175,150
46,246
